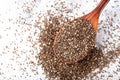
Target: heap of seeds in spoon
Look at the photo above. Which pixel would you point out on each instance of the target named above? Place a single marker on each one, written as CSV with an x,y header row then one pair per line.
x,y
73,42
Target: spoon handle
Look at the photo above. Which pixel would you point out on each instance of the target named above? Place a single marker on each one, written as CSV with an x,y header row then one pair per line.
x,y
94,15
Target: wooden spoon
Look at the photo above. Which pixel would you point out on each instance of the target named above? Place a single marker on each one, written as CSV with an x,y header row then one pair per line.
x,y
91,17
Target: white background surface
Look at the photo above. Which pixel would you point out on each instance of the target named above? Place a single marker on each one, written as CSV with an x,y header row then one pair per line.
x,y
18,41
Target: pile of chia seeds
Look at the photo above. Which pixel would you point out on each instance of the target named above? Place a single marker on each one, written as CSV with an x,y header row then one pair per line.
x,y
65,42
54,68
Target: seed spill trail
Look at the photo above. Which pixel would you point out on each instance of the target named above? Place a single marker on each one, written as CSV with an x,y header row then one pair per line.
x,y
19,43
